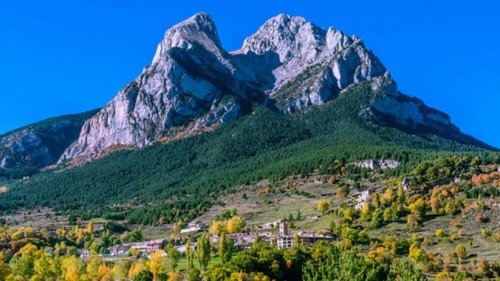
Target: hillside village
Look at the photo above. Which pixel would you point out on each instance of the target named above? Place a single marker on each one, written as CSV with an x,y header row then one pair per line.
x,y
277,232
449,213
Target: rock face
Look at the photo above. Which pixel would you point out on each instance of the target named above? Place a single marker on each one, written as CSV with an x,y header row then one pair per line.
x,y
288,65
191,85
309,65
40,144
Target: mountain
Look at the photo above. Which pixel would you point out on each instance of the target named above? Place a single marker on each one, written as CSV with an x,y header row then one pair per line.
x,y
193,85
38,145
182,178
294,100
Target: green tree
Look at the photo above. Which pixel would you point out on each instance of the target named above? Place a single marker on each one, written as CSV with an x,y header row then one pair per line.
x,y
132,236
190,255
377,219
23,265
194,274
226,248
46,268
461,252
203,251
174,256
144,275
404,270
341,264
418,209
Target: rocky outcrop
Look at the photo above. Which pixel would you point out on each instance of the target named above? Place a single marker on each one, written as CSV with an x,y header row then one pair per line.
x,y
41,144
311,65
193,84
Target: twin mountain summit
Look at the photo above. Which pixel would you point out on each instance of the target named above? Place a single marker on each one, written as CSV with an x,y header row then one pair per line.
x,y
290,68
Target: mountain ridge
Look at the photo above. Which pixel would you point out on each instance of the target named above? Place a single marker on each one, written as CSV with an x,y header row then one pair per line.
x,y
194,85
288,65
37,145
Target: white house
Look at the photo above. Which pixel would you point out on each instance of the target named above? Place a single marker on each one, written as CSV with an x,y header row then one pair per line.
x,y
271,225
361,198
85,254
193,226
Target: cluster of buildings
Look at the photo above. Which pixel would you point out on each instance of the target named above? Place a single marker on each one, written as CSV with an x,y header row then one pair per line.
x,y
241,240
283,239
143,247
147,247
377,164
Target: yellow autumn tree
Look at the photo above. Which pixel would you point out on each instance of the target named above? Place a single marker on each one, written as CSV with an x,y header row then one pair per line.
x,y
418,209
135,268
80,236
216,227
4,267
174,276
484,268
388,195
72,268
366,209
45,268
90,227
323,206
156,263
105,273
461,252
96,269
120,271
412,222
235,224
176,230
134,252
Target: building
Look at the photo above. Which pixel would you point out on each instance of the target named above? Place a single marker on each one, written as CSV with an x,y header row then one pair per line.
x,y
183,248
193,227
85,254
361,198
283,229
377,164
245,240
304,238
154,246
118,250
271,225
368,164
406,182
284,241
143,247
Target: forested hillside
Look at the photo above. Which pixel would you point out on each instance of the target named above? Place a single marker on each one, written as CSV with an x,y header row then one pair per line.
x,y
182,178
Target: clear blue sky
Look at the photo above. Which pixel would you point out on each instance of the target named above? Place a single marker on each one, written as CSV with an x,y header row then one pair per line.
x,y
59,57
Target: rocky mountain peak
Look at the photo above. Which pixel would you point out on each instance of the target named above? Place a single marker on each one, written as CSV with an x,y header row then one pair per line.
x,y
199,29
308,64
288,65
286,36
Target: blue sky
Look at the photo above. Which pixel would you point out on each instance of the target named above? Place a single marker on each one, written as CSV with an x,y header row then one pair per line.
x,y
59,57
